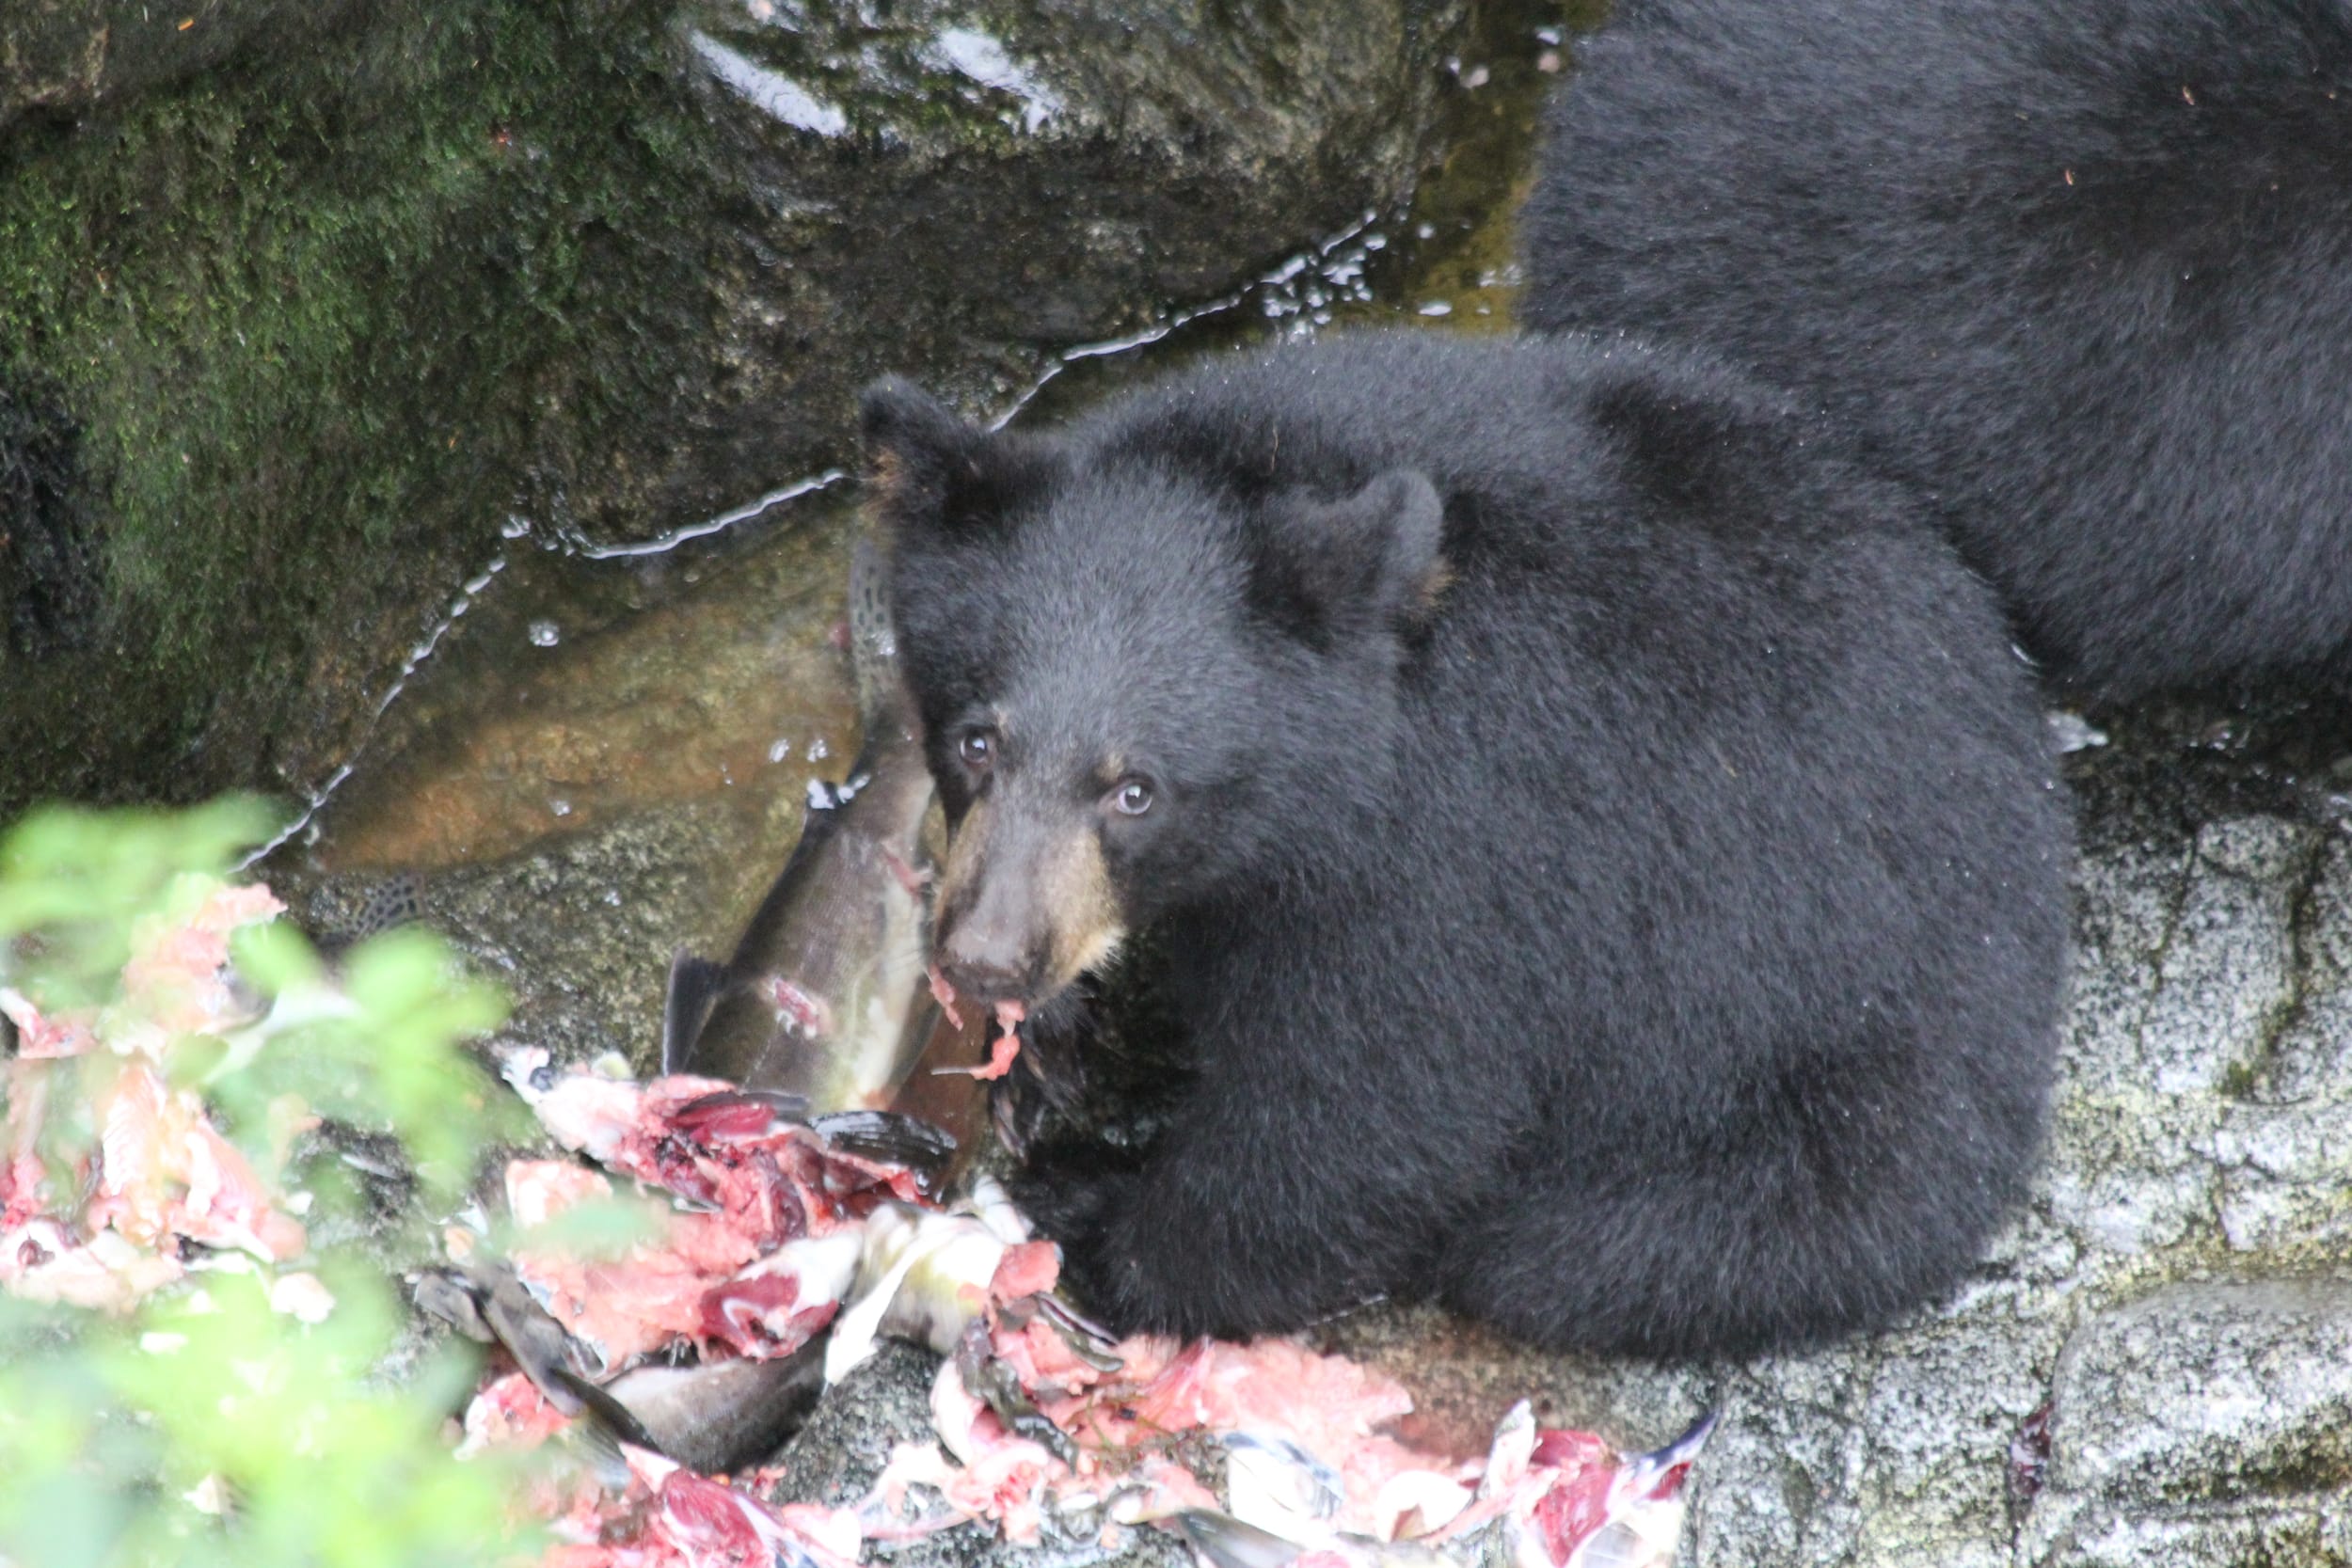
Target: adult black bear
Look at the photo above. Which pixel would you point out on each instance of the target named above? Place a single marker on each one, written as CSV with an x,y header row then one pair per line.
x,y
1606,852
2079,270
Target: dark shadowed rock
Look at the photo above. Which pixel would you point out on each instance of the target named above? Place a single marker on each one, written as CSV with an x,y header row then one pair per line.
x,y
63,56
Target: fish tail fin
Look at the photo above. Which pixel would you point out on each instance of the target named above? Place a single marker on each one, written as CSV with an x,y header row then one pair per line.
x,y
694,988
1658,1474
611,1422
1228,1542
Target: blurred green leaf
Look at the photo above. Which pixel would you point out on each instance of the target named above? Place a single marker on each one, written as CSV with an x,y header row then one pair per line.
x,y
207,1427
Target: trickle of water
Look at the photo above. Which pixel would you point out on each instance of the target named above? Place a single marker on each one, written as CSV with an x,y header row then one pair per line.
x,y
677,663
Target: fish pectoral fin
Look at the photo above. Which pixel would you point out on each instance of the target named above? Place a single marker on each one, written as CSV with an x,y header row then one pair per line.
x,y
693,989
610,1420
891,1137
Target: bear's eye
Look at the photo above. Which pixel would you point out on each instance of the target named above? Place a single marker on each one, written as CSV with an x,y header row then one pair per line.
x,y
977,749
1132,798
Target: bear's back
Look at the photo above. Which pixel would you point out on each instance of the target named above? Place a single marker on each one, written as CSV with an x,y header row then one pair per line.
x,y
1699,705
2082,273
1698,974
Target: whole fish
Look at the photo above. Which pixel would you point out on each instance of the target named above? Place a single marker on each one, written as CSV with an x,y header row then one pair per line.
x,y
713,1417
825,997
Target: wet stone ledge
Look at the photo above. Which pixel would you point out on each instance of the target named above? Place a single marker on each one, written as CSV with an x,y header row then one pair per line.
x,y
337,302
63,57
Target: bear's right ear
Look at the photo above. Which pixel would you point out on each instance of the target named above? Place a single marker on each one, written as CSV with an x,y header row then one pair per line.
x,y
931,466
1368,561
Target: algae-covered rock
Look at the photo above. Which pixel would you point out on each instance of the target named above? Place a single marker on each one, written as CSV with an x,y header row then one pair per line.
x,y
309,306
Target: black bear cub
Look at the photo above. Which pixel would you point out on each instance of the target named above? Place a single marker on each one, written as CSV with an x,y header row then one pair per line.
x,y
1606,852
2079,270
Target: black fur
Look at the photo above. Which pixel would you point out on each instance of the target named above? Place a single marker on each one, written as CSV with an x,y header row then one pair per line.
x,y
2080,270
1642,929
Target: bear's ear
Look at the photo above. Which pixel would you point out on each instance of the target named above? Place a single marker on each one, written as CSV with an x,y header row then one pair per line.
x,y
931,466
1368,561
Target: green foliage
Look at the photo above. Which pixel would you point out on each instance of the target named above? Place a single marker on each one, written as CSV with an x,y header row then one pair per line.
x,y
77,881
206,1426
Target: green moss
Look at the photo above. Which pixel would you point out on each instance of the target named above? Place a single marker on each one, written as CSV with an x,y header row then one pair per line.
x,y
319,328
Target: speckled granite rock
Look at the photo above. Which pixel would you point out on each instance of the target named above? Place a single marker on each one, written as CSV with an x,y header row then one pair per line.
x,y
2179,1295
2197,1408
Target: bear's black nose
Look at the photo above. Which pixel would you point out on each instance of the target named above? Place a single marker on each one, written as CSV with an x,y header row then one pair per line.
x,y
985,965
986,983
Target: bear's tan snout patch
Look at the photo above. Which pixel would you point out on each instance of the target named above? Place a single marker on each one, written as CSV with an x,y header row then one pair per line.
x,y
1024,907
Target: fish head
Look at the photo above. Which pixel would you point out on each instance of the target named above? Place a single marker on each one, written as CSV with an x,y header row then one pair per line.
x,y
1142,679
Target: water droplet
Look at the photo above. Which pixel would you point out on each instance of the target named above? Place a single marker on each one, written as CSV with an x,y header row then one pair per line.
x,y
559,806
780,749
818,750
515,526
543,633
1436,308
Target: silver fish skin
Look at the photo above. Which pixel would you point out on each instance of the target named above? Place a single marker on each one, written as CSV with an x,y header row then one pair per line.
x,y
825,995
719,1416
714,1417
1225,1542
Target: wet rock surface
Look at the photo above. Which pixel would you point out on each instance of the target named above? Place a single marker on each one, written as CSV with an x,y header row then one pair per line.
x,y
331,297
